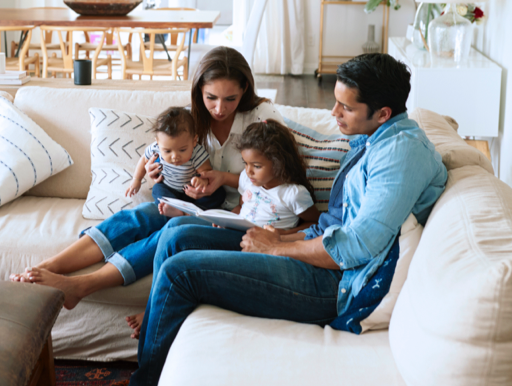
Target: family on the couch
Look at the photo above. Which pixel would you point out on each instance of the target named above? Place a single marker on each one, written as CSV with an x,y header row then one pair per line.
x,y
311,276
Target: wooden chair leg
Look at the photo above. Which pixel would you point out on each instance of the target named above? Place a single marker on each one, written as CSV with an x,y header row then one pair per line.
x,y
109,66
36,66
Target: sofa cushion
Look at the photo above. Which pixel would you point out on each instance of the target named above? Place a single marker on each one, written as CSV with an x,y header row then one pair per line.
x,y
219,347
118,141
323,152
64,116
29,155
455,152
452,324
33,229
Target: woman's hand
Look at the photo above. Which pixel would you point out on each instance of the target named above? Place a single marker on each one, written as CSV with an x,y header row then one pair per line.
x,y
215,181
153,169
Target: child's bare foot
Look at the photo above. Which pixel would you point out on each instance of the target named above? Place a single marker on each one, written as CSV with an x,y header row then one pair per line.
x,y
169,211
135,322
68,285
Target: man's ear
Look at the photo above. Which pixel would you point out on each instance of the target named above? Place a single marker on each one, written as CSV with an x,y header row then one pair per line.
x,y
384,114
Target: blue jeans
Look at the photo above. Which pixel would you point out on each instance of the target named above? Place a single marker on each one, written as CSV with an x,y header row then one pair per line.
x,y
248,283
129,238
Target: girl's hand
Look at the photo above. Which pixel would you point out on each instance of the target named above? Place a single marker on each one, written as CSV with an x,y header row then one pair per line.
x,y
215,181
217,226
199,183
133,188
153,169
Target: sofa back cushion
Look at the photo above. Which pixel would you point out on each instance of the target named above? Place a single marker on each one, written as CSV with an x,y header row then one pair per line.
x,y
452,323
448,143
63,115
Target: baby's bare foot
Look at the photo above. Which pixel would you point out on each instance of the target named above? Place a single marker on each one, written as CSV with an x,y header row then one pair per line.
x,y
169,211
68,285
135,322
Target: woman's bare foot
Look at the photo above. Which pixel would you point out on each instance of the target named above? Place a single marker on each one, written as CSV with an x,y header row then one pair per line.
x,y
135,322
68,285
21,277
169,211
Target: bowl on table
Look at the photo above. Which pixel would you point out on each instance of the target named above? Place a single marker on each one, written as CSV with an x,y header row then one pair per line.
x,y
102,7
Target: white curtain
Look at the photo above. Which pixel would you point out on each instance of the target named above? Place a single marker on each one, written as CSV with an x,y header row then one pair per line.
x,y
280,48
494,40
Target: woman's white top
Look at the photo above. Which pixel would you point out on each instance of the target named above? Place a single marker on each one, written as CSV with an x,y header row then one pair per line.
x,y
279,206
227,158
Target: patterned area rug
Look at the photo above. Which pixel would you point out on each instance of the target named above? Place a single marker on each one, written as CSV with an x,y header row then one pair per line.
x,y
85,373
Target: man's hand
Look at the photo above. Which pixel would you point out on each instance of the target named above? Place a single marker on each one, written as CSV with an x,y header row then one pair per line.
x,y
153,169
260,240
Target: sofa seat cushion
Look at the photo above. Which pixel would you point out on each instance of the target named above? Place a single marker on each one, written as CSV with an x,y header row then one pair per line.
x,y
219,347
33,229
452,323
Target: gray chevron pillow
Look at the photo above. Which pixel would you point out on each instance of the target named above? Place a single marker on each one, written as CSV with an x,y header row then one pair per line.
x,y
118,141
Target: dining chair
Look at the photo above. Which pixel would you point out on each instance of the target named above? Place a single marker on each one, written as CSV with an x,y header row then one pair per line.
x,y
47,39
148,65
65,64
108,45
22,62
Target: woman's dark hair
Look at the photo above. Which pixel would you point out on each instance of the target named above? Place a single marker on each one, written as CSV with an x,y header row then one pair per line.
x,y
221,63
380,79
278,145
174,121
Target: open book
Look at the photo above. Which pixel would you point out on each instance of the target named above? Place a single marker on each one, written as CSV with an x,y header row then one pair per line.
x,y
220,217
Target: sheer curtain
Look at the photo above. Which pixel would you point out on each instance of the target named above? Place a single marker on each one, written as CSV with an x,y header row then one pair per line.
x,y
280,48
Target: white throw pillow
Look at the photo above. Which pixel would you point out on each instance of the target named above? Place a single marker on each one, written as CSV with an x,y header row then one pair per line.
x,y
118,141
28,155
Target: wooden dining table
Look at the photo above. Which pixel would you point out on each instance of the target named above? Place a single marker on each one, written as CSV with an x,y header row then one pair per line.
x,y
137,18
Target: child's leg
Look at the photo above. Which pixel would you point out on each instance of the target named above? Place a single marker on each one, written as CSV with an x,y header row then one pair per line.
x,y
214,201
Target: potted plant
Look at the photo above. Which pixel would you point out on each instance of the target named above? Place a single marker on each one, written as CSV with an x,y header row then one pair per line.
x,y
371,5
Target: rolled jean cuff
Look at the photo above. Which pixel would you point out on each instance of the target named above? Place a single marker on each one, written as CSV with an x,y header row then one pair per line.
x,y
124,268
99,238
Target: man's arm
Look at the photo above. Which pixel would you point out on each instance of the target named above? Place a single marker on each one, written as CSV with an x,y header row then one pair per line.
x,y
269,242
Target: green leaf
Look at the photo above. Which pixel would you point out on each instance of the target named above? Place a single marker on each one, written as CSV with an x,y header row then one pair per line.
x,y
371,5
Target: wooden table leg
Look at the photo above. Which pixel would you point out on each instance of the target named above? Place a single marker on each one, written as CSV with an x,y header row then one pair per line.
x,y
483,146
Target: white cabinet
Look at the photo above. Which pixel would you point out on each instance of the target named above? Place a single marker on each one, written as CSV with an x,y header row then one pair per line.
x,y
468,93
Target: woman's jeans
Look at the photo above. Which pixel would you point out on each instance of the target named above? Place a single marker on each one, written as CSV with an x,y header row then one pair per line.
x,y
187,274
129,238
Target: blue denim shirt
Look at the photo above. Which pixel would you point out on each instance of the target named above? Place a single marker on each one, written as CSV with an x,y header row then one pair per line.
x,y
399,174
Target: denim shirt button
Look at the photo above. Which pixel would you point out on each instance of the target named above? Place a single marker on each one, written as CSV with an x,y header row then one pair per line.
x,y
343,290
368,143
345,205
341,264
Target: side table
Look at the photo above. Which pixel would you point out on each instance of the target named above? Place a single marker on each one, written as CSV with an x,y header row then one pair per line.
x,y
483,146
27,314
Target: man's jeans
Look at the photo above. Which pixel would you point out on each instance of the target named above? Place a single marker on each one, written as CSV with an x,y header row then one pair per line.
x,y
253,284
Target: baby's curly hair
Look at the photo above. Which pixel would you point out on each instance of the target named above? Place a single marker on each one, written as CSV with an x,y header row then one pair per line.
x,y
278,145
174,121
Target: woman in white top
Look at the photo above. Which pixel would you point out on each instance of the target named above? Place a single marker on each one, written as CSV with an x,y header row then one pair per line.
x,y
223,104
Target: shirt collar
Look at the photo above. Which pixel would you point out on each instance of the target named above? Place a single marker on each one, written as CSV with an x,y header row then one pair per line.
x,y
365,139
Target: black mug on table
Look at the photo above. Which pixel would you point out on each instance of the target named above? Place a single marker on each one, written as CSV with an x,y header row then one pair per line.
x,y
82,69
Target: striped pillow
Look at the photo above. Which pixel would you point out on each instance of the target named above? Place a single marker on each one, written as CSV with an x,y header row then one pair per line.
x,y
323,153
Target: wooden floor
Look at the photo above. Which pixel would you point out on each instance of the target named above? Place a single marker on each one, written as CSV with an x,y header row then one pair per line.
x,y
301,90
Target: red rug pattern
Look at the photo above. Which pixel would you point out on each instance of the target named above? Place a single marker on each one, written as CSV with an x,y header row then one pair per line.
x,y
84,373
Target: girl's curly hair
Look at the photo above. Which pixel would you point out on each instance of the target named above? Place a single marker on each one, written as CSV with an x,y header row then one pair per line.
x,y
278,145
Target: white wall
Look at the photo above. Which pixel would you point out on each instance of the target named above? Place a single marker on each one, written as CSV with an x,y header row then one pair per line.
x,y
346,28
494,39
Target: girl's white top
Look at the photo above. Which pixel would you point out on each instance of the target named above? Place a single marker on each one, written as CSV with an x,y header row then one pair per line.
x,y
279,206
227,158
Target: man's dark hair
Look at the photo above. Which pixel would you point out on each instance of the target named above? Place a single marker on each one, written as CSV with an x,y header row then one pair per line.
x,y
380,79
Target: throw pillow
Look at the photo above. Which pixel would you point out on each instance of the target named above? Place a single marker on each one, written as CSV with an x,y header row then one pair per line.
x,y
323,153
371,309
118,141
28,155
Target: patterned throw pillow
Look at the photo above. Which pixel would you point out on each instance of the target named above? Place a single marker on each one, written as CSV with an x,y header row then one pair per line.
x,y
323,153
28,155
118,141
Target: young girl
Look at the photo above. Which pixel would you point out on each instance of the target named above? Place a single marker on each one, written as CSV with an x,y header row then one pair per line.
x,y
181,161
274,188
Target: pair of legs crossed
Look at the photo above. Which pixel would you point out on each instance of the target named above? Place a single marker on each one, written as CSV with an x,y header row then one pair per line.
x,y
248,283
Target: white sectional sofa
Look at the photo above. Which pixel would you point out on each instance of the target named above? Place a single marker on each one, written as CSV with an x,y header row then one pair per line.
x,y
452,324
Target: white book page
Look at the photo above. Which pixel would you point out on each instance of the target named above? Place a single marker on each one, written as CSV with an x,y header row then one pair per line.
x,y
184,206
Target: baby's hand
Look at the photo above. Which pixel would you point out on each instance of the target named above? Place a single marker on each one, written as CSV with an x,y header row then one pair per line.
x,y
199,183
133,188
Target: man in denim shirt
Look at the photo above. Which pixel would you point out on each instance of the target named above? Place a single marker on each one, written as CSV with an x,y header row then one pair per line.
x,y
313,276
